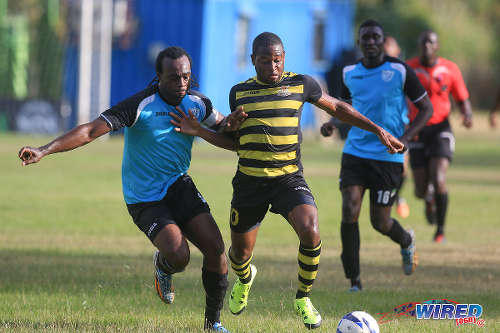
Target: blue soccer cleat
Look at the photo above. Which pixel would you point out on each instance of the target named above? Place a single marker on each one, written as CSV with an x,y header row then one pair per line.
x,y
217,327
163,282
409,254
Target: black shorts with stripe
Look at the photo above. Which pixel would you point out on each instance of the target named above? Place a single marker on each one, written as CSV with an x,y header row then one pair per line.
x,y
433,141
381,177
182,202
252,197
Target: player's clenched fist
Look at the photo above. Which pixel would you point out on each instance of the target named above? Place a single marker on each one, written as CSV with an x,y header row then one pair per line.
x,y
327,129
30,155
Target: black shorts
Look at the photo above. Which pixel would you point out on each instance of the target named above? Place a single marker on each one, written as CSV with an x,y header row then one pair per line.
x,y
181,203
253,195
381,177
433,141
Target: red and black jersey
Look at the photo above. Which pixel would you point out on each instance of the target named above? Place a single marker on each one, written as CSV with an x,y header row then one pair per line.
x,y
439,80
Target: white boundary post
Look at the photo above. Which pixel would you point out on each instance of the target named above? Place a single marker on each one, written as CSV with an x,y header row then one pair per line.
x,y
85,61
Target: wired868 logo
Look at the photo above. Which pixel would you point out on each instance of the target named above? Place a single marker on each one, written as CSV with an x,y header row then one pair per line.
x,y
461,313
437,309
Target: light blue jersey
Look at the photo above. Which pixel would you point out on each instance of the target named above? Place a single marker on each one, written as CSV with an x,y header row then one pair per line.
x,y
154,154
379,94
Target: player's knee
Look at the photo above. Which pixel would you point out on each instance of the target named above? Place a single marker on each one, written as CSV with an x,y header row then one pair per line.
x,y
308,230
214,251
441,185
179,259
350,210
240,254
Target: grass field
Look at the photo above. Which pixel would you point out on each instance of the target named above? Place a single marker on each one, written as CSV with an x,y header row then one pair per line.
x,y
72,260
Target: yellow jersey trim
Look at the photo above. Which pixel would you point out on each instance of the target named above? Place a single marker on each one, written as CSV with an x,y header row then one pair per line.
x,y
272,105
269,139
270,91
268,172
267,155
271,122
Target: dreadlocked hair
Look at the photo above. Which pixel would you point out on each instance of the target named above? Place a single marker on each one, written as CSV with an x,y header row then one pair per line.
x,y
172,52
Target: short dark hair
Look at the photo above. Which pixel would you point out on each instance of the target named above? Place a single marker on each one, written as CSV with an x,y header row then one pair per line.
x,y
370,23
265,39
172,52
425,33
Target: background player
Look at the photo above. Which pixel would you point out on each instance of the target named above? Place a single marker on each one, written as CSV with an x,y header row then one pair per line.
x,y
378,86
269,168
161,198
432,151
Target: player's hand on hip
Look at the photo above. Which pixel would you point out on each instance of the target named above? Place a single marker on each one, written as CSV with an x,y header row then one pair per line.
x,y
235,119
393,145
327,129
185,123
30,155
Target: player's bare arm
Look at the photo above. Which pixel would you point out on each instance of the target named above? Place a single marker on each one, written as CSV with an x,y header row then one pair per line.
x,y
77,137
425,111
345,112
466,111
189,124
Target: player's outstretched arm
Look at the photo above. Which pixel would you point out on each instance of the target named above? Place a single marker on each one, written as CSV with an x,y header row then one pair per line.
x,y
77,137
189,124
345,112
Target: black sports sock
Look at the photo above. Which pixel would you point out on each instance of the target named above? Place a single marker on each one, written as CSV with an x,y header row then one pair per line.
x,y
399,235
215,285
349,233
441,208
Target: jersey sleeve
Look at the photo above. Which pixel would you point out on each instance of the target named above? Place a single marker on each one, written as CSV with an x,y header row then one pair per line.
x,y
232,99
345,93
124,114
212,118
312,90
412,86
458,89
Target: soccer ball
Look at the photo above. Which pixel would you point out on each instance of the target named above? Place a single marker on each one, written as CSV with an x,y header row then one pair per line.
x,y
357,322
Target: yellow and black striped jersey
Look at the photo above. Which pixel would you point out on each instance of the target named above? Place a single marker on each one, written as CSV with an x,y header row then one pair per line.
x,y
269,139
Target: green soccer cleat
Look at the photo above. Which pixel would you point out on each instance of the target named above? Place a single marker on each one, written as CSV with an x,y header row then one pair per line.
x,y
305,309
239,294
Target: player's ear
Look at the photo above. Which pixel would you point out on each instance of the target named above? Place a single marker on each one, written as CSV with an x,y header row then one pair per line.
x,y
253,59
